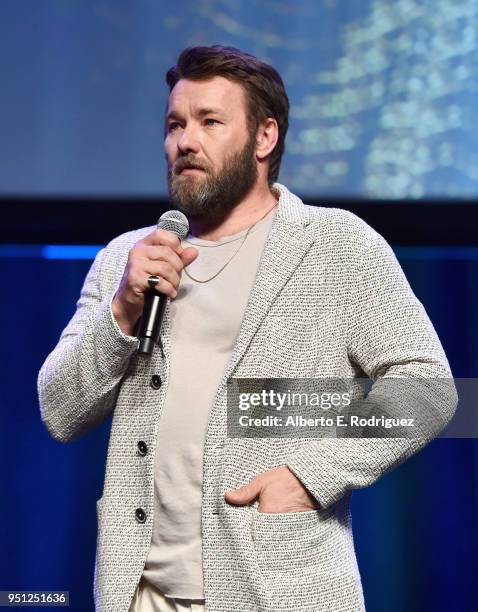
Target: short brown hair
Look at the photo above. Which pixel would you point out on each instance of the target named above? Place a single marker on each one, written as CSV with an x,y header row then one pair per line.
x,y
263,85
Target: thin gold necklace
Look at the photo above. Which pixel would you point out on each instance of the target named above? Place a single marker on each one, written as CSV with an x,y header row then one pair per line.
x,y
197,280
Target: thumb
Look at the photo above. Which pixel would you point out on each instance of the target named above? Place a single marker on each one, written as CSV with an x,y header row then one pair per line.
x,y
188,255
244,494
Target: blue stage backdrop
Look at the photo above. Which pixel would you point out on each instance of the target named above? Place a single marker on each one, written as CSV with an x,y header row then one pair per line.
x,y
383,92
416,529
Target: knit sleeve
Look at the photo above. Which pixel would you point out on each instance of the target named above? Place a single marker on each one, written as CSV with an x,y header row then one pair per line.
x,y
389,335
79,380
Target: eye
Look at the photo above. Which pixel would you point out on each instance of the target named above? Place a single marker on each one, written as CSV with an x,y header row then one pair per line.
x,y
172,126
208,120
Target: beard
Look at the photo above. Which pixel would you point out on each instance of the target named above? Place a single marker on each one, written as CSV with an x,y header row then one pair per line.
x,y
212,195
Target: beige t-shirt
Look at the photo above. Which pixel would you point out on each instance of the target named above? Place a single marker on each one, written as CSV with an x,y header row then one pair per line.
x,y
205,322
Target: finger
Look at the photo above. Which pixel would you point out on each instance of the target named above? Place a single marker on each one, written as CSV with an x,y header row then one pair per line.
x,y
244,494
188,255
163,270
163,286
163,237
163,253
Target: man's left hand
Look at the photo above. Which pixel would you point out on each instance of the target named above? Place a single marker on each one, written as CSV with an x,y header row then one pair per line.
x,y
279,490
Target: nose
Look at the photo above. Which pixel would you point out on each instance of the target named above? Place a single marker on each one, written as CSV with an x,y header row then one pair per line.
x,y
188,140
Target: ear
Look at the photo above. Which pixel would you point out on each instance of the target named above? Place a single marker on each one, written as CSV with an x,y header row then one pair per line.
x,y
266,138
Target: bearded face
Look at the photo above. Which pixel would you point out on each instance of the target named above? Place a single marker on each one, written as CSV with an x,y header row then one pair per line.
x,y
208,193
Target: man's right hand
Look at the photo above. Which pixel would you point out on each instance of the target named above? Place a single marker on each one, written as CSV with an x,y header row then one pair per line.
x,y
159,254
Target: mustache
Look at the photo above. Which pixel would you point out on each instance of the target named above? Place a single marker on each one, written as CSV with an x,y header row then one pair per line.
x,y
188,162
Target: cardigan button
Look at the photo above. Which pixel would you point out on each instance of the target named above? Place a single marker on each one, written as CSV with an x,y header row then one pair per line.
x,y
142,448
155,382
140,515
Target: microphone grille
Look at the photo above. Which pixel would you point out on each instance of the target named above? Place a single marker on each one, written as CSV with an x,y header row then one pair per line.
x,y
176,222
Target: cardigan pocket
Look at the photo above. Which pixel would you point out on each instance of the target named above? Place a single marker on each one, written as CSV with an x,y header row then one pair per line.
x,y
289,540
305,560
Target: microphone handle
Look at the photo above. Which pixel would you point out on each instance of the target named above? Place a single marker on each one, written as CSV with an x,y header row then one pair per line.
x,y
150,324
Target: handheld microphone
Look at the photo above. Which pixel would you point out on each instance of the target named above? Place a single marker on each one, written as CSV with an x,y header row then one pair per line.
x,y
154,302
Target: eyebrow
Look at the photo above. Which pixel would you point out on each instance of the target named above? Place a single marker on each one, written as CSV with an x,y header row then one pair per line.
x,y
201,112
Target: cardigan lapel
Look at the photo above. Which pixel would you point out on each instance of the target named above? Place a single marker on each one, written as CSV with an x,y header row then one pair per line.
x,y
285,247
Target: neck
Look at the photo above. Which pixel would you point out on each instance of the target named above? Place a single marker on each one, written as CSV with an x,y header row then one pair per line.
x,y
253,207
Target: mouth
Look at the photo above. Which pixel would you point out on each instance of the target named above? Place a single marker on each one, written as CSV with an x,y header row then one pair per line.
x,y
190,170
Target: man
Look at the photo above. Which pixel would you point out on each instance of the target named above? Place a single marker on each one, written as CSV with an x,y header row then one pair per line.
x,y
263,287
